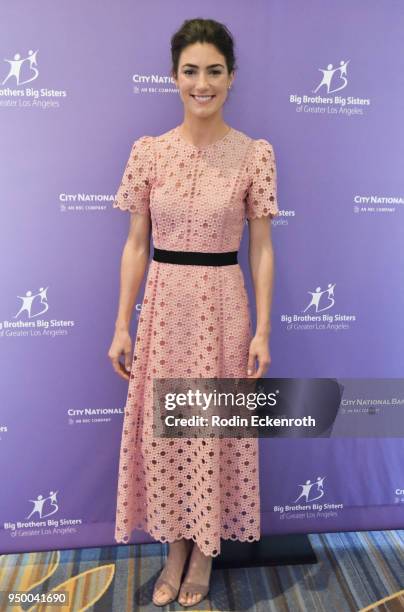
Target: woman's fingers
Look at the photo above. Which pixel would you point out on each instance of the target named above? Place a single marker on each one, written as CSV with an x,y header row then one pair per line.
x,y
119,368
123,372
128,361
263,363
121,345
251,364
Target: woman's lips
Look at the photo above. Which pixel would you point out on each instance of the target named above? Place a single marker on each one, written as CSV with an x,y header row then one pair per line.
x,y
202,99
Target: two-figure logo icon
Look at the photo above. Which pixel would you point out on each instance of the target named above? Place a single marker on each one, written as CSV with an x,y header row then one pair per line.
x,y
18,64
317,295
333,74
30,298
309,493
41,501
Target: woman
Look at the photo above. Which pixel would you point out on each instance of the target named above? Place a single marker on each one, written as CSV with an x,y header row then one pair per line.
x,y
193,187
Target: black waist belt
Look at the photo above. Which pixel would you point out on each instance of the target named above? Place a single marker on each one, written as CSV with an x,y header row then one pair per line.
x,y
196,258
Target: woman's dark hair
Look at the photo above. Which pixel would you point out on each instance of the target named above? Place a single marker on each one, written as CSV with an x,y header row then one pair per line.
x,y
202,30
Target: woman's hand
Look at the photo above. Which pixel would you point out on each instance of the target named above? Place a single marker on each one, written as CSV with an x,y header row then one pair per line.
x,y
121,343
259,349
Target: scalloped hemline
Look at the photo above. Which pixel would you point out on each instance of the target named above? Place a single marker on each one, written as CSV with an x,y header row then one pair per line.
x,y
128,209
168,540
271,213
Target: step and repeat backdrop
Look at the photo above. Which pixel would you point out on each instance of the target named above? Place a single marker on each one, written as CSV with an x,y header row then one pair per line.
x,y
79,82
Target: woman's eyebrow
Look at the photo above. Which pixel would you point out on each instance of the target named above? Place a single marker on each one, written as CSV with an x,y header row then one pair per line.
x,y
211,65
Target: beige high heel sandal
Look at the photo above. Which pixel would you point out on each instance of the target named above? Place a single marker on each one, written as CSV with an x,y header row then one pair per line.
x,y
164,582
195,589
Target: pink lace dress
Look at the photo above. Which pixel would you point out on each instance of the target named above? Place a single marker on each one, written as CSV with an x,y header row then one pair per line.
x,y
194,322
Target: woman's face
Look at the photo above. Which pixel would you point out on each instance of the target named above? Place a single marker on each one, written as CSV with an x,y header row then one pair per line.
x,y
202,71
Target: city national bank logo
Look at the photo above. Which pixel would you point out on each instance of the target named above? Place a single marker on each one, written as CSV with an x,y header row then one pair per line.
x,y
399,495
153,84
324,97
15,88
376,204
29,320
307,505
316,315
38,521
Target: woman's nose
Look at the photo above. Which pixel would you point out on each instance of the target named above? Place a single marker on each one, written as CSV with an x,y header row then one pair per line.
x,y
202,80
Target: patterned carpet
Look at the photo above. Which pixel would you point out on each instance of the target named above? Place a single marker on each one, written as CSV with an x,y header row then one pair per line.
x,y
356,571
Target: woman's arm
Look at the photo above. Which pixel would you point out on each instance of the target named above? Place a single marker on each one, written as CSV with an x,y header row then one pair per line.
x,y
261,261
135,257
134,261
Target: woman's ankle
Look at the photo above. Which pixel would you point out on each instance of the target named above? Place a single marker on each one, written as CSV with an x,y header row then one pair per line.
x,y
179,547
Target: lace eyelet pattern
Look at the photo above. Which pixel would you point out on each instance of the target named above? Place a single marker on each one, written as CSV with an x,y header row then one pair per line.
x,y
194,323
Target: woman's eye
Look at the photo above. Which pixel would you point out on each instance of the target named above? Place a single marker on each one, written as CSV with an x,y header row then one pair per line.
x,y
189,71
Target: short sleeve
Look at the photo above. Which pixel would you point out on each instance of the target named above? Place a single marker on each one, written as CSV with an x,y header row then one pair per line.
x,y
261,198
133,193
